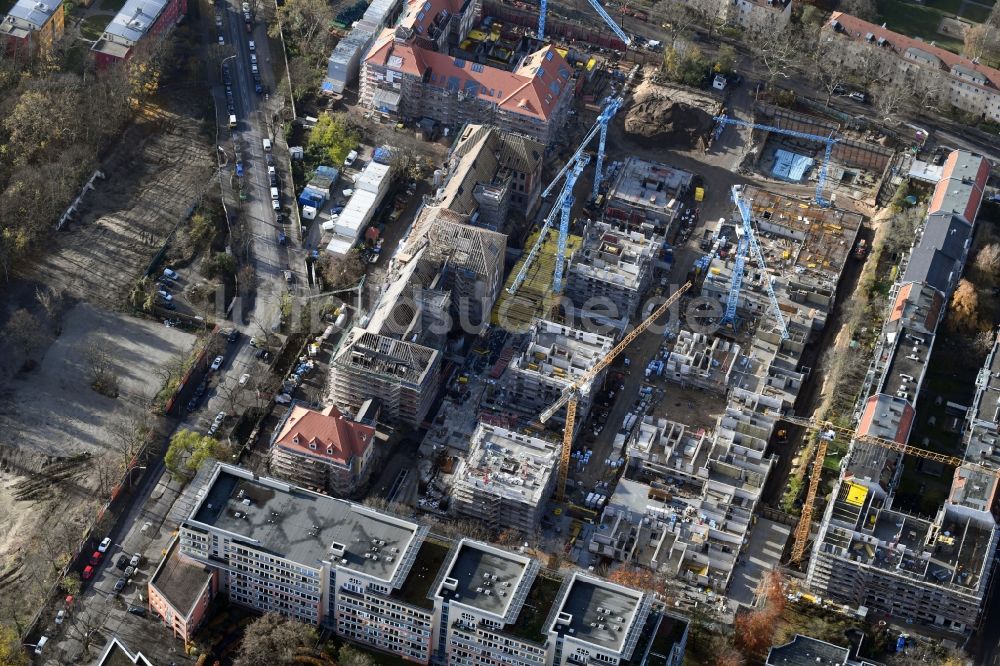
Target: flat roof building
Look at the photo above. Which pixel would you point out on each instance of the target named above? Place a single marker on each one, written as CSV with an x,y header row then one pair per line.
x,y
31,26
505,479
181,591
136,22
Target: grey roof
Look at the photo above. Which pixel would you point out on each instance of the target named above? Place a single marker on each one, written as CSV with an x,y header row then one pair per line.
x,y
596,611
33,12
180,582
947,233
804,650
488,579
302,526
930,266
962,70
927,56
134,19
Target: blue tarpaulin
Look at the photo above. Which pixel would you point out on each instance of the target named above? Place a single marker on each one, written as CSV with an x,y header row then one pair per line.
x,y
790,166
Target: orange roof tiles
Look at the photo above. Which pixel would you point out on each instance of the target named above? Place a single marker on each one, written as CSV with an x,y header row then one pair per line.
x,y
332,435
904,306
872,419
855,27
957,168
532,89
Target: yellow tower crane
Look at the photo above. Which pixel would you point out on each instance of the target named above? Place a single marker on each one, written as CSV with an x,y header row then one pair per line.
x,y
571,394
827,432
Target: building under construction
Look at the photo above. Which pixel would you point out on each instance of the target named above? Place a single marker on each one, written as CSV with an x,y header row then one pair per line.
x,y
554,357
644,192
533,299
805,248
505,479
403,375
609,275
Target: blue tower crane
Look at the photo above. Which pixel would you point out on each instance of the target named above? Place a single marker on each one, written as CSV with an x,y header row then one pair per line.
x,y
562,204
567,205
750,238
734,290
828,140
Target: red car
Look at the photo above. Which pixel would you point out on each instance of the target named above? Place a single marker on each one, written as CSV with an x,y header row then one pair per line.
x,y
95,559
88,573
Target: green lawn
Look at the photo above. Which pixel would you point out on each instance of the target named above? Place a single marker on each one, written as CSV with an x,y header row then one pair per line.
x,y
93,27
975,13
921,20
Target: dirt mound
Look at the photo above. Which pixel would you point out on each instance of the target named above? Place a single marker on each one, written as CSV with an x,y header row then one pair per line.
x,y
671,123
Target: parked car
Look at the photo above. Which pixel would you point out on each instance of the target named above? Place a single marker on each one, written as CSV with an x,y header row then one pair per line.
x,y
88,573
136,558
95,558
105,544
129,571
173,275
217,363
192,404
137,610
164,295
120,585
233,336
859,97
253,47
244,378
122,562
220,417
60,616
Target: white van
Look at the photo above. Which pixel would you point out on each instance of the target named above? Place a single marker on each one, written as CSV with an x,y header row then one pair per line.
x,y
41,643
274,194
232,121
351,156
267,145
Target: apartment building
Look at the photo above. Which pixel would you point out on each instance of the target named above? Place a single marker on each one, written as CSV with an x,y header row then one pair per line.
x,y
609,275
934,572
505,479
116,653
138,22
966,84
409,73
554,356
494,607
323,450
983,424
403,375
377,580
808,651
31,26
491,173
756,17
320,560
181,591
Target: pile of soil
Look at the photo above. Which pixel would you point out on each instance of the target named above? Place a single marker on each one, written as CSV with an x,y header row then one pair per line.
x,y
668,123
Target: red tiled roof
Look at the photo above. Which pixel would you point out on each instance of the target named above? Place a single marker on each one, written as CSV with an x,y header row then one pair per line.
x,y
532,89
868,418
857,28
334,436
948,174
902,299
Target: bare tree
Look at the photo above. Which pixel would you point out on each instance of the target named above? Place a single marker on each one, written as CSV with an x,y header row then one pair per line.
x,y
889,99
869,63
102,371
130,431
777,52
824,63
21,332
